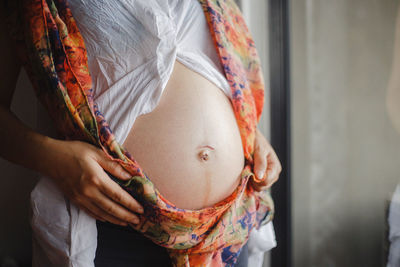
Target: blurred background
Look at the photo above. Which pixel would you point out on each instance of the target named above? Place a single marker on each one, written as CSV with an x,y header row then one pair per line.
x,y
332,112
345,148
333,70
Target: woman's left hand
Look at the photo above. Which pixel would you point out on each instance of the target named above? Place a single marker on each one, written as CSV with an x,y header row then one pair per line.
x,y
267,166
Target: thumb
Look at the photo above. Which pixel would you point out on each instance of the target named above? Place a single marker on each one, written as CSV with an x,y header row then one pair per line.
x,y
113,167
260,165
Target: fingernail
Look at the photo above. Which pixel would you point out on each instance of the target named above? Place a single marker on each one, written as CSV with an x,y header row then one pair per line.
x,y
126,175
260,174
135,220
140,210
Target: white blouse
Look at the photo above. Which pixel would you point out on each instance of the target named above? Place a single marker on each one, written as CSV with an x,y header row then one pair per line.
x,y
132,46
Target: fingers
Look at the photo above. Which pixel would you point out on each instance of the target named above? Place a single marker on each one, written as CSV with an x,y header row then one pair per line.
x,y
100,206
112,190
100,214
85,182
267,166
272,173
116,200
260,162
274,168
112,167
91,199
114,212
257,186
92,214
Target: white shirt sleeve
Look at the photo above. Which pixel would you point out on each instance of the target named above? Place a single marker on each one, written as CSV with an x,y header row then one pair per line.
x,y
260,241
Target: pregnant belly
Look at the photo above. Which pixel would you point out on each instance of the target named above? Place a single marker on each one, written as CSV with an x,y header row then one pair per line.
x,y
189,145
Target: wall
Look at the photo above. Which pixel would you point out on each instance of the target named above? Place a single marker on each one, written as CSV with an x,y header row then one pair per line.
x,y
345,150
16,183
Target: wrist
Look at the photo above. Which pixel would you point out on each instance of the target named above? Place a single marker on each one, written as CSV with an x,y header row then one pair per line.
x,y
49,155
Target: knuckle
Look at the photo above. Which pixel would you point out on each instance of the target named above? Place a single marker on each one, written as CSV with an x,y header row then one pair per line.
x,y
261,162
118,197
110,209
86,153
87,191
94,180
259,148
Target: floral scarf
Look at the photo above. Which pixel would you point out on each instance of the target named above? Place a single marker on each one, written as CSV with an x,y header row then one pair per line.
x,y
53,53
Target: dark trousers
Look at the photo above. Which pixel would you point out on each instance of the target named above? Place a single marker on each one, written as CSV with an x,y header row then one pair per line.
x,y
119,246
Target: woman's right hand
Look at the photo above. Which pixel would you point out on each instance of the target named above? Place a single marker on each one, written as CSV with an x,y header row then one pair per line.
x,y
78,170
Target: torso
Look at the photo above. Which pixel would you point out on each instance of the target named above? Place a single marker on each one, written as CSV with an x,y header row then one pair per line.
x,y
187,141
189,145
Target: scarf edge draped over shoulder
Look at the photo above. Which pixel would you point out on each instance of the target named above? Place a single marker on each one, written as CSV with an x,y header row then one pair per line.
x,y
52,50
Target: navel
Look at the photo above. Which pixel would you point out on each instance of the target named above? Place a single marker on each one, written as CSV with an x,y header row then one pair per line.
x,y
204,154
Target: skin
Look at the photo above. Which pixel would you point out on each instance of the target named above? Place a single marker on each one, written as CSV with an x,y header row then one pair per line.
x,y
193,118
77,168
267,166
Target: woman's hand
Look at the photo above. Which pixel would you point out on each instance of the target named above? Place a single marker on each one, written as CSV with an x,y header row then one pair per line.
x,y
267,166
77,169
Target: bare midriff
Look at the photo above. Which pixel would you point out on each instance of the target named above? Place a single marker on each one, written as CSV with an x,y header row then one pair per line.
x,y
189,145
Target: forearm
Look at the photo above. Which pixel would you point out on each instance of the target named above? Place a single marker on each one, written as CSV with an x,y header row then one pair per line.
x,y
24,146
